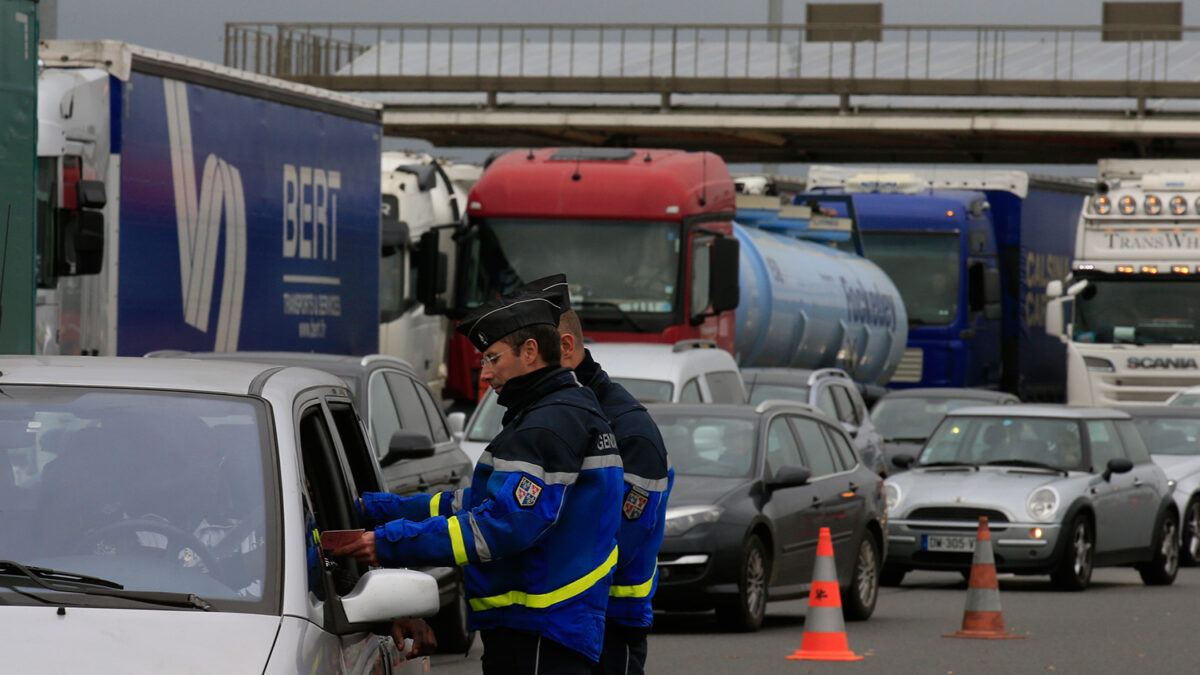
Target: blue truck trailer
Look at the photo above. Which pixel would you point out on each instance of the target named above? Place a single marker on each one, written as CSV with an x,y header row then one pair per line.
x,y
971,252
185,205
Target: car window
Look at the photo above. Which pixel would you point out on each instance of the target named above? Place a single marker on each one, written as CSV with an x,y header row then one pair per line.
x,y
816,449
826,404
708,446
488,419
1134,445
783,392
385,420
690,392
648,390
725,387
1169,435
1187,400
412,412
842,447
437,421
782,449
329,500
1104,442
847,412
354,445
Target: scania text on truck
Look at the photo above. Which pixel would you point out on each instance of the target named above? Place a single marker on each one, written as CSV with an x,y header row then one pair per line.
x,y
1129,310
971,252
648,242
186,205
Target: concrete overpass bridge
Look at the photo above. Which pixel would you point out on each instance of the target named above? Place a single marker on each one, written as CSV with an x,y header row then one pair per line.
x,y
772,93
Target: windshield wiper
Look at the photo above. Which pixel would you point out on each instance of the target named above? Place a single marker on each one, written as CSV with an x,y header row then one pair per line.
x,y
612,305
936,464
1028,463
903,439
79,583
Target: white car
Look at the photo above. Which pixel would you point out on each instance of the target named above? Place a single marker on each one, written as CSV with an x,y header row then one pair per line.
x,y
164,515
1187,397
689,371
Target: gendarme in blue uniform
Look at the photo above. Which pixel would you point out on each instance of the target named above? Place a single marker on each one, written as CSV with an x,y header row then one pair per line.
x,y
537,529
648,480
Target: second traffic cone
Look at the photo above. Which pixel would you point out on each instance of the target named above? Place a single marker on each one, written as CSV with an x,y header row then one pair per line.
x,y
982,618
824,630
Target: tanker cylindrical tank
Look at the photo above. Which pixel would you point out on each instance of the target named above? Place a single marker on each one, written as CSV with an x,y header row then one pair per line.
x,y
809,305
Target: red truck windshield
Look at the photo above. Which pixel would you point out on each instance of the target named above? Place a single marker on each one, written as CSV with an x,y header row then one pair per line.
x,y
626,265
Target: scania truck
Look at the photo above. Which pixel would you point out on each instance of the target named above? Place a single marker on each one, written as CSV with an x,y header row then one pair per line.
x,y
186,205
1129,310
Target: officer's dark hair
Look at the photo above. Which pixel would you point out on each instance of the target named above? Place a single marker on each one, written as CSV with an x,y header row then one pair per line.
x,y
546,336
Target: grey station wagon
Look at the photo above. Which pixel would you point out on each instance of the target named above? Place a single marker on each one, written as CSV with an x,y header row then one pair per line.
x,y
1063,489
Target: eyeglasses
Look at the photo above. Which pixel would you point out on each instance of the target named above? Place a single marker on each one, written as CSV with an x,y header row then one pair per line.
x,y
492,359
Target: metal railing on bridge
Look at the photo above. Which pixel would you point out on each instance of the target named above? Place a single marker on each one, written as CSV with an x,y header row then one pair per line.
x,y
1145,62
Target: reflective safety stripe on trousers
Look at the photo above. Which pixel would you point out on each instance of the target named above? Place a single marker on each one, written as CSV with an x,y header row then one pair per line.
x,y
543,600
641,590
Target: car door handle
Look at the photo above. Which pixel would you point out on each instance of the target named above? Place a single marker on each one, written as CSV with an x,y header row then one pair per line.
x,y
1137,481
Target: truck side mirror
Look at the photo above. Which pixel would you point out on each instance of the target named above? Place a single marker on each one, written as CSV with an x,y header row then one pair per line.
x,y
1054,316
79,246
1054,289
723,287
433,271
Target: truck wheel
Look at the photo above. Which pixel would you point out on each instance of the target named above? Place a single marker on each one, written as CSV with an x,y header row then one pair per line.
x,y
858,600
745,612
1161,570
1074,569
450,625
1189,550
891,575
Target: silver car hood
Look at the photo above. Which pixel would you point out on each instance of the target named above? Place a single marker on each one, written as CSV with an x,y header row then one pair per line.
x,y
994,487
37,639
1177,466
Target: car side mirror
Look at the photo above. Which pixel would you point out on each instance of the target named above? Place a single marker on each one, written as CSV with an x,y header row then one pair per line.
x,y
457,421
1118,465
407,445
903,461
382,595
790,476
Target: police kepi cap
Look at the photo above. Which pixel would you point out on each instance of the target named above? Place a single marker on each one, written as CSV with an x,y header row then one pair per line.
x,y
498,317
555,283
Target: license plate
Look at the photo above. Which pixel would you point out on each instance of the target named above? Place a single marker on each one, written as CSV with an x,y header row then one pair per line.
x,y
935,542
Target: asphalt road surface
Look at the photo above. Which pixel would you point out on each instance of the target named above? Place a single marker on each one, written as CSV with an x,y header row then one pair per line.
x,y
1118,625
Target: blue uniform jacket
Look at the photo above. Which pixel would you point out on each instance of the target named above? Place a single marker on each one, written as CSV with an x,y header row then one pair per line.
x,y
648,481
536,530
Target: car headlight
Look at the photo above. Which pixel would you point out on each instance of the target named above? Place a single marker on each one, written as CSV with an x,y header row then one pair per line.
x,y
1042,504
682,519
891,493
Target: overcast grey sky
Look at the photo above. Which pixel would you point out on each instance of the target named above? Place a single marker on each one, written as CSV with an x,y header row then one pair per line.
x,y
195,27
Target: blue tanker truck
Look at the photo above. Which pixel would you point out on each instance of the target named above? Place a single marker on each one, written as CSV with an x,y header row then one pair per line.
x,y
185,205
971,252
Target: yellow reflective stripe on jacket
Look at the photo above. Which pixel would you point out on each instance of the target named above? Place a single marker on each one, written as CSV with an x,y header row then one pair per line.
x,y
456,540
542,600
433,505
641,590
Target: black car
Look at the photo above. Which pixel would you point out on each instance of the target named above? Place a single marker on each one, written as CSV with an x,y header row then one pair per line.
x,y
906,417
414,444
753,487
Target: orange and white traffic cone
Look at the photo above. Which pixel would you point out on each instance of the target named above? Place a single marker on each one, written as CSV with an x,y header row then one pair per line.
x,y
982,618
824,630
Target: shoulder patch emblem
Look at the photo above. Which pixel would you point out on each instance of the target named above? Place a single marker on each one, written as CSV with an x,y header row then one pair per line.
x,y
635,503
527,492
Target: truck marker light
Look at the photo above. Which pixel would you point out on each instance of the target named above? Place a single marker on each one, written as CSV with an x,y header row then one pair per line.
x,y
475,206
1149,269
1086,266
1153,205
672,209
1102,205
949,214
1178,205
1125,269
1128,205
1181,269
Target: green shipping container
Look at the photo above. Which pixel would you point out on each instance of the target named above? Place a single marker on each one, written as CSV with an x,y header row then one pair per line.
x,y
18,180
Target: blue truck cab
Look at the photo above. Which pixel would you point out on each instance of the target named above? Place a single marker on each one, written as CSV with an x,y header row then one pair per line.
x,y
971,253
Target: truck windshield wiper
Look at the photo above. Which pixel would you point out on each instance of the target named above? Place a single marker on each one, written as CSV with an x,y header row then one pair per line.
x,y
1028,463
79,584
612,305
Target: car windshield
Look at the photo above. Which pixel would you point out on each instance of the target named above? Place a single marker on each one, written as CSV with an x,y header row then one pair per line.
x,y
1170,435
1187,400
905,418
155,491
785,392
646,390
487,420
1138,311
924,267
707,445
963,439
